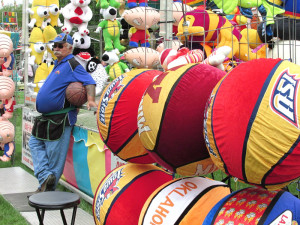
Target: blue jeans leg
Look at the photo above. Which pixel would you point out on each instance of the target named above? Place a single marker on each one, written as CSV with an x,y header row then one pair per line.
x,y
49,156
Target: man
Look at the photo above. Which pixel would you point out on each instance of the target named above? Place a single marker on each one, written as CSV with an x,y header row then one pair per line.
x,y
51,131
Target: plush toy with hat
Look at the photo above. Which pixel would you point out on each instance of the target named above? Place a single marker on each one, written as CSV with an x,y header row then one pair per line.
x,y
111,29
38,12
137,17
77,13
49,34
54,12
37,46
115,67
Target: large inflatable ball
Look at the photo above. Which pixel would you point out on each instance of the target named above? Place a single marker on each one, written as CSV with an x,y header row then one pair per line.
x,y
183,201
117,115
121,195
170,118
256,206
252,123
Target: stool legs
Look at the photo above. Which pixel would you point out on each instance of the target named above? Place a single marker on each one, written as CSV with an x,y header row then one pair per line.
x,y
63,216
74,215
40,216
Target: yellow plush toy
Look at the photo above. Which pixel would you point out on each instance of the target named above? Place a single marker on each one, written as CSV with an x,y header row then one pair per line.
x,y
53,19
38,13
37,46
49,35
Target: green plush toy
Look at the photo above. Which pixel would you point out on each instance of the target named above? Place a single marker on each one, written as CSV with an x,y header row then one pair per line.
x,y
115,67
111,30
103,4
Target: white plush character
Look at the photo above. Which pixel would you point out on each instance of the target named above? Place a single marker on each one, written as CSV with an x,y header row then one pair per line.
x,y
77,13
99,75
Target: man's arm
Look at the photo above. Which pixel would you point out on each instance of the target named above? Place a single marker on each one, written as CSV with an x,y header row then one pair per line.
x,y
90,90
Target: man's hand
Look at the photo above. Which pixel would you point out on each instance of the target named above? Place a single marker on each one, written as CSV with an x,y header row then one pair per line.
x,y
91,104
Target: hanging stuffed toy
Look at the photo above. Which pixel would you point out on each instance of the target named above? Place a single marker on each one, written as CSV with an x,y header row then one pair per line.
x,y
6,55
49,34
142,57
85,55
77,13
111,29
7,135
53,18
7,89
115,67
104,4
37,46
8,112
174,43
38,12
137,17
134,3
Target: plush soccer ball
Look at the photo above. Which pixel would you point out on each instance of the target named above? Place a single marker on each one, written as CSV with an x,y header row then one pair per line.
x,y
76,94
121,195
171,115
252,123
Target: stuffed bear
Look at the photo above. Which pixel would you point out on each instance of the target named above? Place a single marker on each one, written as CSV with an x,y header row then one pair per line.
x,y
53,18
142,57
6,55
77,13
136,17
104,4
111,29
115,67
7,135
133,3
37,46
38,12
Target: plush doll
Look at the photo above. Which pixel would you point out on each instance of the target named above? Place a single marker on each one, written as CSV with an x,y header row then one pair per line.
x,y
7,89
115,67
49,34
37,46
136,17
38,12
142,57
111,29
41,74
177,14
53,18
218,31
104,4
134,3
6,55
77,13
237,19
8,112
185,56
7,135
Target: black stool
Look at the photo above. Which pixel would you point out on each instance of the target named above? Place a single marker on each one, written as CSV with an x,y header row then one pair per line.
x,y
54,200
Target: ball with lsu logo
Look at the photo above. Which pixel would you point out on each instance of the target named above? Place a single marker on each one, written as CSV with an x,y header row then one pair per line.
x,y
254,205
251,123
121,195
183,201
170,118
117,115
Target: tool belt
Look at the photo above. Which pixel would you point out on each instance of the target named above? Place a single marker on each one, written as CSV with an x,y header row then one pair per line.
x,y
50,126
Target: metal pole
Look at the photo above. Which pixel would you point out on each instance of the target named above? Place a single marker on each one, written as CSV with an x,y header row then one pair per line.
x,y
24,53
166,18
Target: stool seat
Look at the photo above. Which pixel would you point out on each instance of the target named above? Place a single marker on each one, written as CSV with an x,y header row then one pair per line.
x,y
54,200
